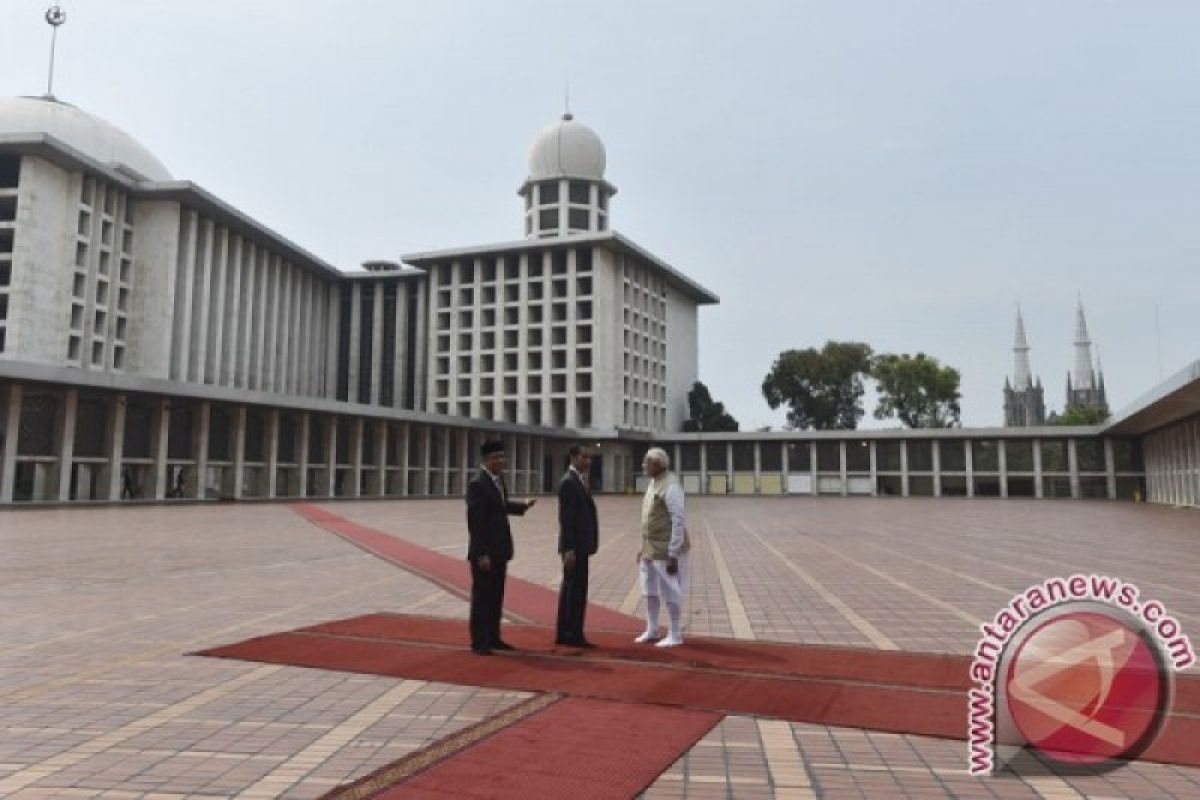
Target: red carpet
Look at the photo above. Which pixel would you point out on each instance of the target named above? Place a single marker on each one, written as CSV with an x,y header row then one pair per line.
x,y
523,600
576,748
897,692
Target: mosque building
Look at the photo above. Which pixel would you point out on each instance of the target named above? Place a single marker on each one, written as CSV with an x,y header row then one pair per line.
x,y
158,343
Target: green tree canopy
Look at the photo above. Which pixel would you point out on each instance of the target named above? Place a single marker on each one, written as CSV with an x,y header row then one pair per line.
x,y
1082,415
917,390
823,388
706,413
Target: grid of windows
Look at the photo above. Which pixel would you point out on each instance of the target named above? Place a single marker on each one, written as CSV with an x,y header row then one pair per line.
x,y
10,173
102,279
644,312
581,205
514,337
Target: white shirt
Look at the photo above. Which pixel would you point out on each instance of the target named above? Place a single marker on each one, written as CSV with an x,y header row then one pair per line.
x,y
673,498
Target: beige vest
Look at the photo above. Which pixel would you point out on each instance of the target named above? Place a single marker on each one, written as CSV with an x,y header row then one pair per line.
x,y
656,520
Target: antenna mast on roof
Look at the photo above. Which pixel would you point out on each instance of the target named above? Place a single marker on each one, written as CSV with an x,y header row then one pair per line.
x,y
55,17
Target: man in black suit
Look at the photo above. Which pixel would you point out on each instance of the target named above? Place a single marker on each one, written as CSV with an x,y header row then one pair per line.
x,y
490,548
578,539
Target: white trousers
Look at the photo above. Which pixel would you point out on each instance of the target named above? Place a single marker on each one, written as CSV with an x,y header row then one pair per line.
x,y
656,582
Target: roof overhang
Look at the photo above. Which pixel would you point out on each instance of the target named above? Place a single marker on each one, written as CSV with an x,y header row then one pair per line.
x,y
184,192
1176,398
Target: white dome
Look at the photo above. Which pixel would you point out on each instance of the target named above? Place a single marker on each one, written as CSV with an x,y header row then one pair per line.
x,y
567,149
90,135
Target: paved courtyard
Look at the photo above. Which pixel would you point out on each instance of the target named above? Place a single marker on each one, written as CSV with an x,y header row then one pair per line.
x,y
100,607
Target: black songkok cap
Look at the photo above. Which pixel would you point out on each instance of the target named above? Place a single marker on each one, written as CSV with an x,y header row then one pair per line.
x,y
494,446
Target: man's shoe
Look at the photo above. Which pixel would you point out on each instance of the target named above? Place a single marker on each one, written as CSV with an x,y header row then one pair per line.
x,y
502,646
585,643
647,636
670,641
574,641
481,651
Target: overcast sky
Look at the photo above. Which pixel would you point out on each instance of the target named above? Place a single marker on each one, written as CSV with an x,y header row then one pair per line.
x,y
900,173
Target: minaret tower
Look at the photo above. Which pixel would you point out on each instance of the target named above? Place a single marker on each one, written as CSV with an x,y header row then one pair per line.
x,y
565,191
1024,403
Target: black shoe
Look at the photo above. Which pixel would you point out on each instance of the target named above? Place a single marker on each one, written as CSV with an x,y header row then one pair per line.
x,y
481,651
573,641
502,646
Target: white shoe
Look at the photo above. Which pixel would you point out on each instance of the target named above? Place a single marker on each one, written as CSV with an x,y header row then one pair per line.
x,y
670,641
647,636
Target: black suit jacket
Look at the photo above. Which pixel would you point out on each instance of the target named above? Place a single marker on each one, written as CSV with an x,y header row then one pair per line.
x,y
578,525
487,519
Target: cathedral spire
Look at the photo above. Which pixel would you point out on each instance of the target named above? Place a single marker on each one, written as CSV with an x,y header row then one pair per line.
x,y
1083,374
1021,372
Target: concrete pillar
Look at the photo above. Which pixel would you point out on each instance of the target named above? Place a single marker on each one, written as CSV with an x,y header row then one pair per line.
x,y
703,468
874,466
405,433
904,491
355,343
232,318
969,456
936,447
426,457
844,469
13,394
464,456
333,307
758,467
1038,490
729,467
1073,467
239,451
1110,470
218,322
377,344
273,427
183,322
200,448
383,435
160,437
302,452
425,345
448,459
67,415
199,341
812,466
331,438
400,398
262,322
283,324
357,427
1002,454
114,446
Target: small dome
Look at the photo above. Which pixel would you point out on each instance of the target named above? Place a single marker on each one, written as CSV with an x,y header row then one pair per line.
x,y
567,149
91,136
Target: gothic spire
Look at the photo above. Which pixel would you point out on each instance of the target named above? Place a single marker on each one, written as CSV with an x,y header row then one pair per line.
x,y
1083,373
1022,378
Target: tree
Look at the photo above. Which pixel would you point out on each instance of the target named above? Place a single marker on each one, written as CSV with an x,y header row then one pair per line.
x,y
706,413
1082,415
823,388
917,390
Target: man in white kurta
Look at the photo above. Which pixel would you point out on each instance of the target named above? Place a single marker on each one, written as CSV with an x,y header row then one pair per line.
x,y
663,560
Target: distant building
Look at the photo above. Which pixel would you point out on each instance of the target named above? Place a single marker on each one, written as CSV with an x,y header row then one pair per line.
x,y
1024,400
1085,383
